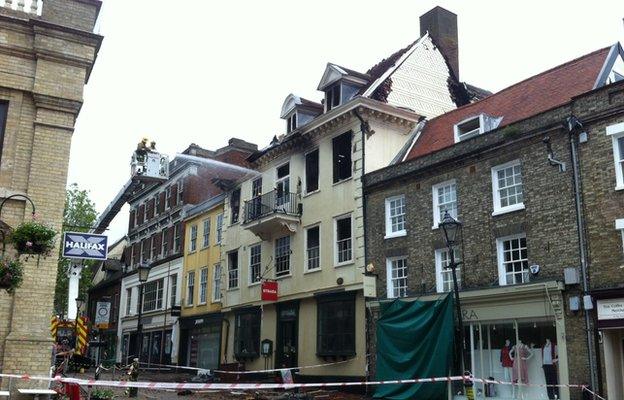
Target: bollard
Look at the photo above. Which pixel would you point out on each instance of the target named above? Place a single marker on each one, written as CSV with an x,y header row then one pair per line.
x,y
468,386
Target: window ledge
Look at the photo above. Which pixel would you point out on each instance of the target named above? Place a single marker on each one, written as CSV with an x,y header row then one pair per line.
x,y
311,193
311,271
344,263
213,301
283,276
191,252
232,289
342,181
619,187
515,207
253,284
395,234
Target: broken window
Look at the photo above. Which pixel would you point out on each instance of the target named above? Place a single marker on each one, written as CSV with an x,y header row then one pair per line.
x,y
282,184
342,157
312,171
291,123
256,187
235,205
332,97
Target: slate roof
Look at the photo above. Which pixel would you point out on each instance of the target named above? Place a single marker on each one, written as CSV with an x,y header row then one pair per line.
x,y
532,96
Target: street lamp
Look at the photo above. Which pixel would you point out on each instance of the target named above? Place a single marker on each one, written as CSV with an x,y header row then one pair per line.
x,y
143,272
451,228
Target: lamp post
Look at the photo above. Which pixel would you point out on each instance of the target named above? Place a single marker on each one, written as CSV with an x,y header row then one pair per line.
x,y
143,272
451,228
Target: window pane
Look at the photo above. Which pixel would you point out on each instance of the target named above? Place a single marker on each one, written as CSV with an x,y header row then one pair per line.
x,y
313,247
342,156
343,239
282,256
255,256
312,171
510,185
515,260
233,269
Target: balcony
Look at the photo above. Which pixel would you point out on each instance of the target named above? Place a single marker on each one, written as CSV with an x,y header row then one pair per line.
x,y
27,6
272,214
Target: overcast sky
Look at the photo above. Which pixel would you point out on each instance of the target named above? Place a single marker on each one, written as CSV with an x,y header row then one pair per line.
x,y
196,71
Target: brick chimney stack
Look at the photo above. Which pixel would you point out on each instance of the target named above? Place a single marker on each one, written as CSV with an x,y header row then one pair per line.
x,y
442,27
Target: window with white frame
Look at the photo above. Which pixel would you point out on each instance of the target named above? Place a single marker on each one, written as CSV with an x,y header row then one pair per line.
x,y
153,295
468,128
203,282
173,279
193,241
233,269
617,136
180,198
167,197
282,256
219,228
255,266
395,216
396,276
619,225
216,283
513,261
343,243
190,288
444,275
313,247
444,199
507,187
206,233
128,301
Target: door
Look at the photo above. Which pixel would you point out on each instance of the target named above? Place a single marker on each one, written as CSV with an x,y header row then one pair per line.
x,y
287,335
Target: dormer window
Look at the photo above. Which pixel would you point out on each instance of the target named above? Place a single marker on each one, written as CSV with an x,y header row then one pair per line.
x,y
291,123
475,125
332,97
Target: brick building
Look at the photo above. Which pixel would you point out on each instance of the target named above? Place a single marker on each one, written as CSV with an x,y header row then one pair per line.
x,y
493,165
46,56
156,237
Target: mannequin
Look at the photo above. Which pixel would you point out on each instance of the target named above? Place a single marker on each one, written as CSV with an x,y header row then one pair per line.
x,y
550,358
520,355
506,360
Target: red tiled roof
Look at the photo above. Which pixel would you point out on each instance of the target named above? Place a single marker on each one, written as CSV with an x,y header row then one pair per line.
x,y
532,96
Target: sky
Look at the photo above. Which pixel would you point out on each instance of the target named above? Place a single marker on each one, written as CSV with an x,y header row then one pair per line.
x,y
198,71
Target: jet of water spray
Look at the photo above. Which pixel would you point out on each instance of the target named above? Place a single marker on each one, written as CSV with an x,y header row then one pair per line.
x,y
220,165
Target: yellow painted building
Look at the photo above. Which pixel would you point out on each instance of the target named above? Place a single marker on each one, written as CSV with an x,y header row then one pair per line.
x,y
201,319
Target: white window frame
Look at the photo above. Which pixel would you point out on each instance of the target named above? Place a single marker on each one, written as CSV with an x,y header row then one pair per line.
x,y
305,248
616,132
496,190
216,283
219,235
328,96
230,270
619,226
502,272
437,218
128,310
203,285
251,282
193,238
335,237
475,132
288,260
388,217
206,225
190,297
440,269
389,279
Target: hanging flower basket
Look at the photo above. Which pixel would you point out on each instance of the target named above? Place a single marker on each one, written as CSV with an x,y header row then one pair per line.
x,y
11,274
33,238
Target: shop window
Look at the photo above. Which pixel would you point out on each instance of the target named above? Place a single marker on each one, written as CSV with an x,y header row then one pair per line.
x,y
343,240
523,351
206,233
395,216
444,275
313,247
444,200
190,288
174,288
153,295
312,171
203,282
617,137
513,262
507,187
282,256
193,241
255,263
396,276
233,269
247,334
235,205
336,327
219,228
216,283
342,157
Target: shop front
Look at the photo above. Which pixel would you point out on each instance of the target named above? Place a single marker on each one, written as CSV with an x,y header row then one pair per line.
x,y
201,340
517,334
610,323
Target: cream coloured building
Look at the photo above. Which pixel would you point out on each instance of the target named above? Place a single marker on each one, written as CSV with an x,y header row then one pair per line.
x,y
299,222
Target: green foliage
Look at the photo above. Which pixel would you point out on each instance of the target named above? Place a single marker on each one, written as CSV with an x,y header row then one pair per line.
x,y
79,215
11,272
104,394
33,237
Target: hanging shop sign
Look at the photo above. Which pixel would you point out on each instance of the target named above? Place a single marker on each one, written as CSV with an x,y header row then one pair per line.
x,y
102,314
85,246
269,291
610,309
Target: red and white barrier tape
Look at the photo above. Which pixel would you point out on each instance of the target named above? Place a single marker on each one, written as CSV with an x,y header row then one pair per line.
x,y
250,372
256,386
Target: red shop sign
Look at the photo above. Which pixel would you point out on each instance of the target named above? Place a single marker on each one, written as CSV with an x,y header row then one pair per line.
x,y
269,291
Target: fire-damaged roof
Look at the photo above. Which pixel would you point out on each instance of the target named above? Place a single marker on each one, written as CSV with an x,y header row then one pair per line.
x,y
524,99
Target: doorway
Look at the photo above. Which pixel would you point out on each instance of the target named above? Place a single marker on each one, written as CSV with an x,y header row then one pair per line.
x,y
287,335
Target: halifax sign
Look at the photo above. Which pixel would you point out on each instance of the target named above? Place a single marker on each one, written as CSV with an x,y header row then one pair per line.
x,y
85,245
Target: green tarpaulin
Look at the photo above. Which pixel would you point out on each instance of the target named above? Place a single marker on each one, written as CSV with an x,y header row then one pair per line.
x,y
414,340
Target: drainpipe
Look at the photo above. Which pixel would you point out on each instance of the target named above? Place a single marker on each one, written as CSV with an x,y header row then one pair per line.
x,y
227,337
575,127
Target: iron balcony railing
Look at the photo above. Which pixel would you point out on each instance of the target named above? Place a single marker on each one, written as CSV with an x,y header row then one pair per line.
x,y
273,202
